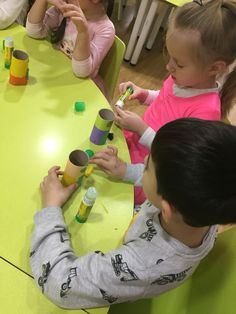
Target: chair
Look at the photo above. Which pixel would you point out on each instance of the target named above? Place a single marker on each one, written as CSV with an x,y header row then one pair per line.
x,y
110,68
210,290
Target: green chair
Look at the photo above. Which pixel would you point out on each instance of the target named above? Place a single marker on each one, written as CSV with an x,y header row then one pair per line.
x,y
110,68
211,289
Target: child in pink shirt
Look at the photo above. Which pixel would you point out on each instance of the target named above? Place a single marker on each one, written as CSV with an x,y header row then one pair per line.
x,y
196,58
81,30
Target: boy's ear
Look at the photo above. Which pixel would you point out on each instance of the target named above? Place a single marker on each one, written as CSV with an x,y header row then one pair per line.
x,y
218,68
167,210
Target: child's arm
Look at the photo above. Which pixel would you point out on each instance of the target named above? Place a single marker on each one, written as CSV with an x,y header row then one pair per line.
x,y
89,52
147,138
82,45
108,160
130,121
41,20
93,280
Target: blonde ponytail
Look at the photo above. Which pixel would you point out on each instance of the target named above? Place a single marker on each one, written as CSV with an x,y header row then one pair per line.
x,y
228,94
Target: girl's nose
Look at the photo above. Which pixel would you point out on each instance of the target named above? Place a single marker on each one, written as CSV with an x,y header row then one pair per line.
x,y
170,67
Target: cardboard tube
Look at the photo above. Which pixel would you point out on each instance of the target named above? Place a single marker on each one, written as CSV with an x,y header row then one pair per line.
x,y
78,159
104,119
102,126
19,67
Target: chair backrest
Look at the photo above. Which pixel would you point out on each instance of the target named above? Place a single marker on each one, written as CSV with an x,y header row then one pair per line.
x,y
110,67
210,290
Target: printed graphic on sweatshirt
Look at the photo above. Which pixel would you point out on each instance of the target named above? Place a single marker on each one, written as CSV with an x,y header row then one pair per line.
x,y
43,278
99,252
107,297
170,278
159,261
32,253
122,270
65,287
150,233
64,235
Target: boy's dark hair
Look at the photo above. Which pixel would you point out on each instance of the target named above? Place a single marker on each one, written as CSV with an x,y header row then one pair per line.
x,y
195,165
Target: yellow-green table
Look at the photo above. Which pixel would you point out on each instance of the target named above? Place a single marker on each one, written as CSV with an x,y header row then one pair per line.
x,y
38,129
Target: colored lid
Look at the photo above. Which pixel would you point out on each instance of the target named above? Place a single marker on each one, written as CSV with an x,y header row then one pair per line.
x,y
89,152
8,42
91,193
79,106
119,103
130,89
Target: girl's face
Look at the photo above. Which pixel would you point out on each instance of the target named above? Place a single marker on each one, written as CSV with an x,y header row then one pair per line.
x,y
185,70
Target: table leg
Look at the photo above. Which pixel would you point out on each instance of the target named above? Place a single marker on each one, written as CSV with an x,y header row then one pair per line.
x,y
163,10
148,22
135,31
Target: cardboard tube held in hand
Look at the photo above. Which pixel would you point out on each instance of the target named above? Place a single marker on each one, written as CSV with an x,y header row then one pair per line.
x,y
78,159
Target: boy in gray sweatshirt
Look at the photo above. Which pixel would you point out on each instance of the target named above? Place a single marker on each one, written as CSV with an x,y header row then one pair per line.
x,y
189,180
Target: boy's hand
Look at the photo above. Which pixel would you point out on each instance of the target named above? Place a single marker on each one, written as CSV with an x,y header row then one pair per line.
x,y
75,13
109,162
130,121
54,194
139,93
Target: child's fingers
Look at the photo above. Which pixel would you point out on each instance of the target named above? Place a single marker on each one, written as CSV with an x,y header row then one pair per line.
x,y
53,169
102,164
124,86
113,149
101,155
120,113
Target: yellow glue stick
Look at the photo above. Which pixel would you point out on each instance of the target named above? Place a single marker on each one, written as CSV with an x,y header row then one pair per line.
x,y
120,102
86,205
8,46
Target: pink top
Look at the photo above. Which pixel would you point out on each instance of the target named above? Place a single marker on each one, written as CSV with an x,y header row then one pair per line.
x,y
101,33
167,107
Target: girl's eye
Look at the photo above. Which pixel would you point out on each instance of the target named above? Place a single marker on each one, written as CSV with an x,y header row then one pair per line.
x,y
179,66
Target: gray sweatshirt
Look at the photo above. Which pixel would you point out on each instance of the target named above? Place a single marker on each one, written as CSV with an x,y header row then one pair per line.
x,y
148,263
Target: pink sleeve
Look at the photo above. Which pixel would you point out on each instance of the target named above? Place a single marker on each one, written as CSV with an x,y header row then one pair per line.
x,y
100,44
52,20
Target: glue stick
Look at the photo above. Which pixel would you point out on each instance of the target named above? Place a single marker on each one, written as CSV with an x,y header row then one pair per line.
x,y
8,46
120,102
86,205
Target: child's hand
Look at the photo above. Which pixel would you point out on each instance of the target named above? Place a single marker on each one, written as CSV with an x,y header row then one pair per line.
x,y
130,121
53,192
139,93
109,162
75,13
56,3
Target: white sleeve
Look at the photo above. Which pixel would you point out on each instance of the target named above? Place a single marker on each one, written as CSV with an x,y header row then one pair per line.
x,y
92,280
9,11
147,138
152,94
134,174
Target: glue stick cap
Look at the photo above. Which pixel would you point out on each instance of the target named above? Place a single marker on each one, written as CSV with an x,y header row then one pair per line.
x,y
119,103
90,195
8,42
130,89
